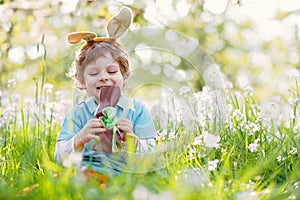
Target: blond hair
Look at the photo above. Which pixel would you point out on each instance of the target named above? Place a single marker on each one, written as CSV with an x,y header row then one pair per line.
x,y
95,50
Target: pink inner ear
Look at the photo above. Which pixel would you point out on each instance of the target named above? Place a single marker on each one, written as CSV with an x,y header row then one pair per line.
x,y
109,96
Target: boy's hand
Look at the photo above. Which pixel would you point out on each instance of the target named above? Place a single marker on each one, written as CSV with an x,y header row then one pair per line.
x,y
88,132
126,134
124,125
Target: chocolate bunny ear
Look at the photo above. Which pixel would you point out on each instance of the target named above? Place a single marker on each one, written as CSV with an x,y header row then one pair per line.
x,y
119,23
76,37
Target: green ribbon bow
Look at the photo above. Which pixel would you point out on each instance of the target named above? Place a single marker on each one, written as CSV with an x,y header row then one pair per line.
x,y
109,122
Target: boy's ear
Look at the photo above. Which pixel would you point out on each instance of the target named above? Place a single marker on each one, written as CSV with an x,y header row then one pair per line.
x,y
81,82
125,80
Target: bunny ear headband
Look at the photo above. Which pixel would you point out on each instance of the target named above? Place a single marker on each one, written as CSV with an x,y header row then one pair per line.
x,y
116,27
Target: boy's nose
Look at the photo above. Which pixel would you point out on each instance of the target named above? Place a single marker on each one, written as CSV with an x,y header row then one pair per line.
x,y
103,77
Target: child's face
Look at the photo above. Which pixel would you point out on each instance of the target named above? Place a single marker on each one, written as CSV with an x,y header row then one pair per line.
x,y
105,71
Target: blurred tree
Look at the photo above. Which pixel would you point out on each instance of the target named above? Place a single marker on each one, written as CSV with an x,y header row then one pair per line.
x,y
251,47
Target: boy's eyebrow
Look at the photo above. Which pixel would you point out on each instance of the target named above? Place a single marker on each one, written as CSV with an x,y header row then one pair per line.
x,y
92,68
113,65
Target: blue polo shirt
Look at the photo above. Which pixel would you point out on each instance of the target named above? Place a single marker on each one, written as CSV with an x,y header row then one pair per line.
x,y
132,109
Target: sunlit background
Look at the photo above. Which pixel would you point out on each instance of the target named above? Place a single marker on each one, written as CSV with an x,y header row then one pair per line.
x,y
253,42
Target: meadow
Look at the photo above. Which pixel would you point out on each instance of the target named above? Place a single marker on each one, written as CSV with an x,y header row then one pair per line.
x,y
240,141
252,153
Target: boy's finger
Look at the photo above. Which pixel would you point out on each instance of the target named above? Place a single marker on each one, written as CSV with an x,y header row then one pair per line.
x,y
95,137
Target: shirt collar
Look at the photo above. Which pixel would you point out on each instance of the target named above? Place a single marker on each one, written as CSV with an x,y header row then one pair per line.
x,y
124,103
92,105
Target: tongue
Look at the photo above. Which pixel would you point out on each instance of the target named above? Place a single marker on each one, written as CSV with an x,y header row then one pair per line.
x,y
109,96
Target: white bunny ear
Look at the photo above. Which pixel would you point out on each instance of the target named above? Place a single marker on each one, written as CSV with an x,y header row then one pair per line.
x,y
119,24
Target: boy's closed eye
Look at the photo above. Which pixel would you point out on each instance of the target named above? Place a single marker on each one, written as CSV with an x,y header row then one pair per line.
x,y
93,73
112,69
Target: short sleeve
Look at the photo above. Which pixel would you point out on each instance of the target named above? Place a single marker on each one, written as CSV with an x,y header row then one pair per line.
x,y
72,124
143,125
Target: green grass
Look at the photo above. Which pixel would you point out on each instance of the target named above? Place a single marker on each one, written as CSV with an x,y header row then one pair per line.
x,y
269,171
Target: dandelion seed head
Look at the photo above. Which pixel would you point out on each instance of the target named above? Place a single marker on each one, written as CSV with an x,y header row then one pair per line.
x,y
253,147
29,100
193,150
210,140
212,165
206,89
293,151
251,183
235,164
266,191
278,134
280,158
159,113
292,101
204,105
11,83
230,126
238,115
217,145
16,98
295,76
263,153
254,127
48,87
297,184
246,195
158,137
229,108
62,95
171,135
224,151
9,113
296,129
273,106
191,156
193,177
2,122
184,90
228,85
161,135
197,140
248,91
